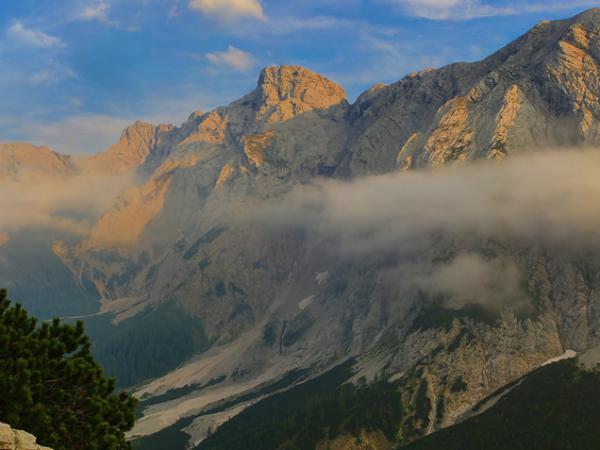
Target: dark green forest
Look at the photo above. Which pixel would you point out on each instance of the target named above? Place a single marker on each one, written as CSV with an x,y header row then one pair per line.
x,y
147,345
299,418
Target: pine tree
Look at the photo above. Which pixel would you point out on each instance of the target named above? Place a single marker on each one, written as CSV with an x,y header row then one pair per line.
x,y
51,386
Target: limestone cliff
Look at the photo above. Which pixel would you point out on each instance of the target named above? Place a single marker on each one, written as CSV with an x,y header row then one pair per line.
x,y
288,91
17,440
138,141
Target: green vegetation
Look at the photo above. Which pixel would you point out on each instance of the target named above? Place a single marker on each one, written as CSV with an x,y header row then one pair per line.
x,y
436,316
271,332
459,385
422,404
556,407
52,387
297,328
148,345
170,438
38,278
209,237
299,418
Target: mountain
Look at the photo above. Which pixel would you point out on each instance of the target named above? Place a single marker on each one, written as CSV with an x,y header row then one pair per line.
x,y
220,283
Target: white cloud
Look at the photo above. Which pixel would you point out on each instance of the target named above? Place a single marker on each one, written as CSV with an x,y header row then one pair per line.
x,y
97,11
34,38
70,204
54,72
100,11
234,58
31,56
471,9
472,279
229,9
545,197
78,134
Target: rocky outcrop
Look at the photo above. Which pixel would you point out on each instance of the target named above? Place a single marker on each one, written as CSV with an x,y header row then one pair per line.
x,y
17,440
210,129
285,92
138,141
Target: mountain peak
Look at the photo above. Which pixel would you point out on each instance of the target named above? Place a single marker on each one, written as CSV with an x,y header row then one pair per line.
x,y
135,130
286,91
137,141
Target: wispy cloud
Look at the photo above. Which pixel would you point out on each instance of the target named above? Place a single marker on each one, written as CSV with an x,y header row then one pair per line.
x,y
228,10
472,9
69,204
100,11
19,33
30,55
96,11
233,58
54,72
509,200
410,222
78,134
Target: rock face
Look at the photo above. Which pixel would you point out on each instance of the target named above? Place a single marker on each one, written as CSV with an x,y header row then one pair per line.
x,y
137,143
17,440
288,91
538,91
272,301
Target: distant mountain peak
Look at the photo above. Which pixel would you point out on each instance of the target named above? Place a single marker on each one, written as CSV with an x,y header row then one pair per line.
x,y
136,143
286,91
20,160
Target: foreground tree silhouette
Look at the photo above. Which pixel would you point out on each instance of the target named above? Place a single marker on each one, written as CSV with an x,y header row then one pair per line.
x,y
51,386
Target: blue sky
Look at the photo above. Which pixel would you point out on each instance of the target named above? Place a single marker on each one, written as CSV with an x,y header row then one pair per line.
x,y
75,72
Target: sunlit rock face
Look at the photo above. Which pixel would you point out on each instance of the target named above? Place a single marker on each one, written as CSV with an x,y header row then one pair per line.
x,y
17,440
541,90
287,91
137,143
191,231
